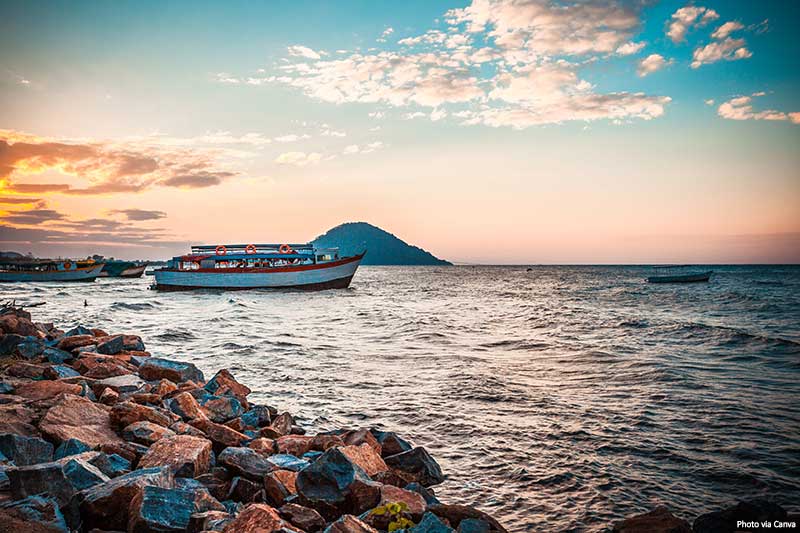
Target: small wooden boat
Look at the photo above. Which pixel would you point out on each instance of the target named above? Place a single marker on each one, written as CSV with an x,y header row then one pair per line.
x,y
28,270
123,269
688,277
258,266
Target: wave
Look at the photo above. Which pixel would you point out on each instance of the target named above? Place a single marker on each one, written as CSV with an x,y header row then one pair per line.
x,y
143,306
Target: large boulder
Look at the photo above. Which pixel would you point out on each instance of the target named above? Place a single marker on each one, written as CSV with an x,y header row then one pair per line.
x,y
158,509
416,465
431,523
279,485
69,344
295,445
146,432
659,520
223,383
105,505
186,406
724,521
126,413
245,462
120,384
222,436
366,457
255,518
60,479
287,462
110,345
333,485
305,518
184,455
75,417
34,514
220,409
413,501
25,451
455,514
71,447
350,524
156,368
11,324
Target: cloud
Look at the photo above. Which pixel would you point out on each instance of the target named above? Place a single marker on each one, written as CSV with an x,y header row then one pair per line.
x,y
630,48
726,29
109,167
740,108
650,64
32,217
292,137
17,200
299,159
303,51
728,49
351,149
386,33
139,214
687,17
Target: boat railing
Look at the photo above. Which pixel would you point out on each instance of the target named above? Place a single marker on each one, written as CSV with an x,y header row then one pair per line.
x,y
242,248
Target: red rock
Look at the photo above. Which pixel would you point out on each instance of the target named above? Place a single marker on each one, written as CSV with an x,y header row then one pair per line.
x,y
221,436
256,518
205,521
41,390
659,520
75,417
146,433
182,428
275,489
26,370
366,457
350,524
126,413
282,424
164,387
145,398
185,405
19,325
361,436
109,396
414,501
295,445
98,332
102,369
288,478
17,419
324,441
263,446
223,383
185,455
454,514
305,518
129,450
245,491
76,341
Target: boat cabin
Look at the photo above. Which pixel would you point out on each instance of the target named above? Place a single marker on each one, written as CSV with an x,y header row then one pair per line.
x,y
252,256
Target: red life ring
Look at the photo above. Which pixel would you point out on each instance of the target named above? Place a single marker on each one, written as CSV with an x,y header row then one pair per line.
x,y
67,265
285,249
250,249
221,250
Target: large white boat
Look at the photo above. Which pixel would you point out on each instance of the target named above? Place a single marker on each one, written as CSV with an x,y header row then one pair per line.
x,y
28,270
258,266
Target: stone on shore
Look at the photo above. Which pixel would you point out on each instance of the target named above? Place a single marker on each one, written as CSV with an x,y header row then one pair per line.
x,y
305,518
361,436
110,345
257,417
221,436
160,509
75,417
156,368
255,518
223,383
59,372
415,502
287,462
24,451
34,514
18,419
185,406
416,465
122,384
60,480
146,432
295,445
126,413
659,520
280,485
106,505
128,450
245,462
56,356
350,524
333,484
11,324
366,457
71,447
221,409
69,344
431,523
26,370
263,446
184,455
757,510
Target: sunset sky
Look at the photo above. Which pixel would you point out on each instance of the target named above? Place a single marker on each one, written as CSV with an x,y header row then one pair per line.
x,y
527,131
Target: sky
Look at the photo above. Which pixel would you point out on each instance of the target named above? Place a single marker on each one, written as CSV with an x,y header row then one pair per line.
x,y
491,131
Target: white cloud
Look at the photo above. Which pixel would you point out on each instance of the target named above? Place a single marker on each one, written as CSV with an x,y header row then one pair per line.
x,y
292,137
728,49
710,101
740,108
415,114
726,29
377,114
327,131
650,64
351,149
686,17
303,51
299,159
386,33
630,48
224,77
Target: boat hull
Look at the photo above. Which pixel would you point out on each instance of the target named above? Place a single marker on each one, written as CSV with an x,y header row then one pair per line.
x,y
688,278
334,275
80,274
123,270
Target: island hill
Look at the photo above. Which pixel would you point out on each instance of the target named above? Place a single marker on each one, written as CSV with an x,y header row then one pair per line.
x,y
382,247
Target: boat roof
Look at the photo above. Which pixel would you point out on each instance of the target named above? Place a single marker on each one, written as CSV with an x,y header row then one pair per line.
x,y
235,247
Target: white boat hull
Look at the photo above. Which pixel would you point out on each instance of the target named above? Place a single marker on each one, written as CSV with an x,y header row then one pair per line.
x,y
80,274
335,275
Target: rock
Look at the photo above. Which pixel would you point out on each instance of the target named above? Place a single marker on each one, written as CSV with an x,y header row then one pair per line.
x,y
221,436
659,520
431,523
6,388
415,502
361,436
262,446
333,484
323,441
185,406
217,485
454,514
184,455
223,408
146,432
287,462
208,521
120,384
255,518
350,524
474,525
110,345
282,424
295,445
24,451
305,518
82,474
223,383
30,347
43,390
130,451
245,462
126,413
416,465
280,485
75,417
245,491
18,325
59,479
26,370
71,447
106,505
257,417
182,428
156,368
78,330
165,387
34,514
427,494
160,509
102,368
18,419
56,356
112,465
9,343
59,372
132,343
109,397
390,443
725,521
75,341
366,457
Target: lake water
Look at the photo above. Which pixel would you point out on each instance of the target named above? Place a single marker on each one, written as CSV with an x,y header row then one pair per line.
x,y
560,398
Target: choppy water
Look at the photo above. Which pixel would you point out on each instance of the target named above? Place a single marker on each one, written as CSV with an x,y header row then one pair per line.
x,y
558,399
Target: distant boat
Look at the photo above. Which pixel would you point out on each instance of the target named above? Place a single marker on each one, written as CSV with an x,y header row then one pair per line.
x,y
258,266
49,270
681,277
123,269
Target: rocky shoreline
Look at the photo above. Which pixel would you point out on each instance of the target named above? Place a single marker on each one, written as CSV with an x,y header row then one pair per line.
x,y
98,435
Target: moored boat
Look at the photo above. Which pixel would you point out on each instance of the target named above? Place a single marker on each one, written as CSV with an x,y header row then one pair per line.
x,y
49,270
681,277
258,266
123,269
